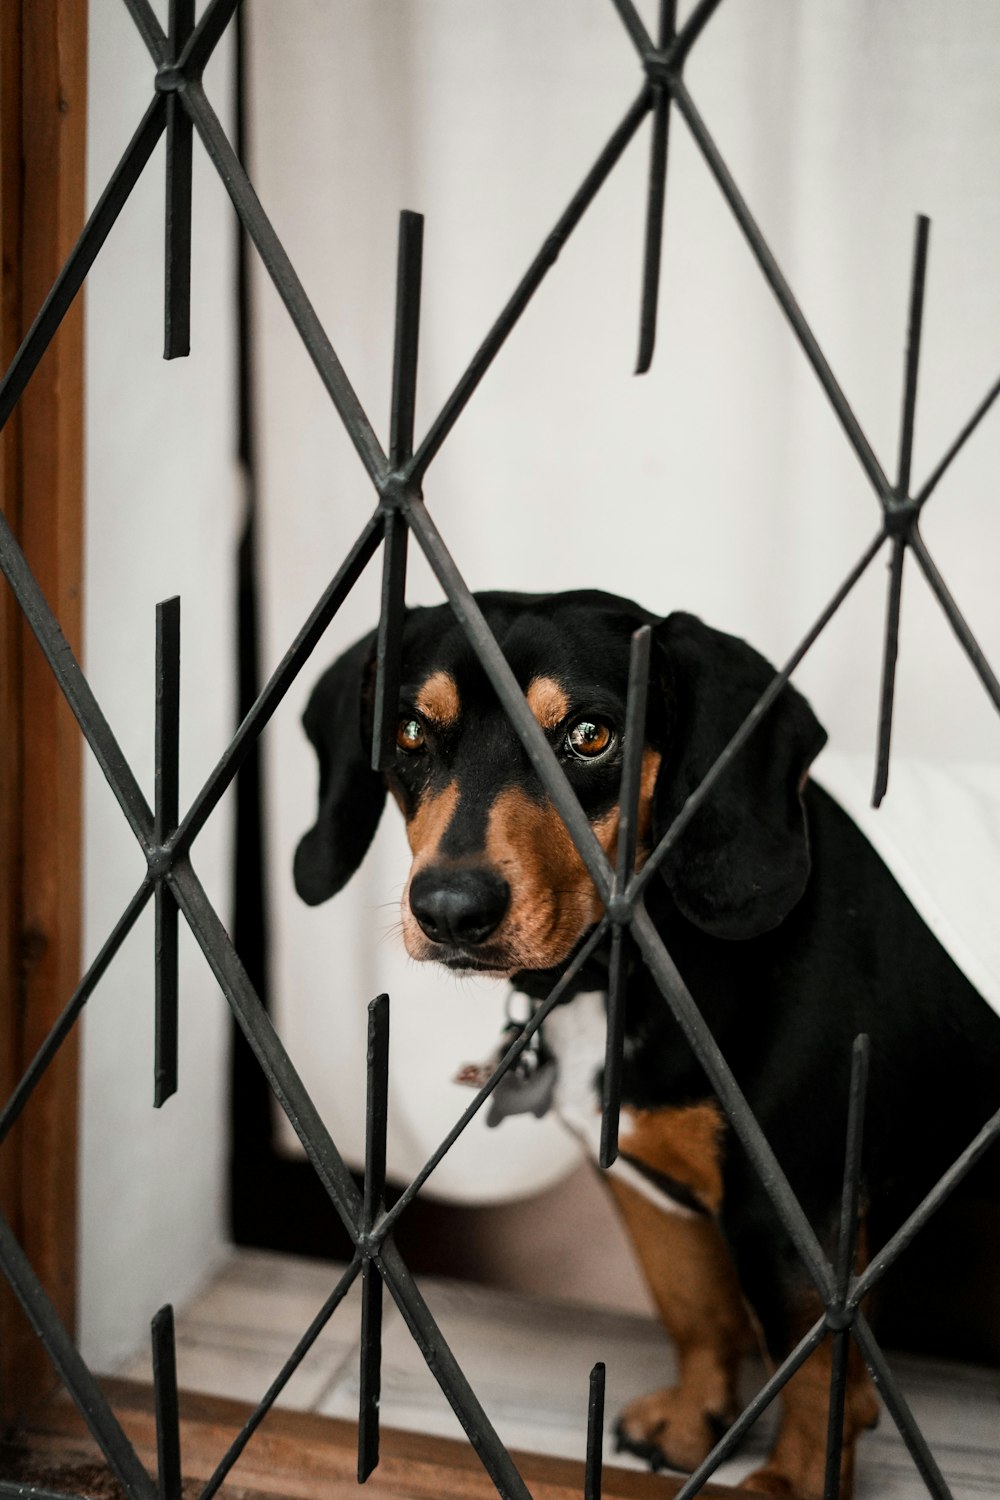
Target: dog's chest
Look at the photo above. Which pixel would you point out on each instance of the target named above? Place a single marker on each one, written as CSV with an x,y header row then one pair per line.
x,y
576,1036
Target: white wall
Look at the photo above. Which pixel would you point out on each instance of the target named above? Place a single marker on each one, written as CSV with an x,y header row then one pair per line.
x,y
719,483
162,517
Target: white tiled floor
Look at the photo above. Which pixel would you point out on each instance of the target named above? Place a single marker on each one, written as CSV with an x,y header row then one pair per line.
x,y
529,1363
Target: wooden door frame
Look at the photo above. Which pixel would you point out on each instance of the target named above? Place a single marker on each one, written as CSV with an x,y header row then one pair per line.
x,y
305,1457
43,77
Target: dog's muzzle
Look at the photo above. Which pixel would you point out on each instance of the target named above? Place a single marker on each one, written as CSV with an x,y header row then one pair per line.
x,y
461,907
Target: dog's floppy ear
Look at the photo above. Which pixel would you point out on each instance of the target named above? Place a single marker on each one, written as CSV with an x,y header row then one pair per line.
x,y
743,861
351,794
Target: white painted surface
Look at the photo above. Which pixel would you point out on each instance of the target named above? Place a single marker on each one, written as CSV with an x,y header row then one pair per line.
x,y
162,518
720,483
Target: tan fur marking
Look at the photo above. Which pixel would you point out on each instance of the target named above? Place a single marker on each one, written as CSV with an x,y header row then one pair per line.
x,y
694,1285
547,701
553,899
425,831
438,700
426,828
680,1143
647,785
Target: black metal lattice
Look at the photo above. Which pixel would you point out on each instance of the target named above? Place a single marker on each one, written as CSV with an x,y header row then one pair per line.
x,y
180,108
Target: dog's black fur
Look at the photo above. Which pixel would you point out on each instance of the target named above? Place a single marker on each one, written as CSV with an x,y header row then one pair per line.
x,y
785,925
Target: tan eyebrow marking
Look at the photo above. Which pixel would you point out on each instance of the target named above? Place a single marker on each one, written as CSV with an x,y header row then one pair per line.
x,y
547,701
438,699
685,1144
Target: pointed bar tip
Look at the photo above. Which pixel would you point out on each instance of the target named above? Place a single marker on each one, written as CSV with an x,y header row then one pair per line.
x,y
595,1434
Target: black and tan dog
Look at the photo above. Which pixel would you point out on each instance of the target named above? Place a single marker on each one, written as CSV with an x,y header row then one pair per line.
x,y
788,930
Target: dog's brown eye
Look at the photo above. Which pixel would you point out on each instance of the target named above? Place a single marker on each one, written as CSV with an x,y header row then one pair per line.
x,y
410,735
588,738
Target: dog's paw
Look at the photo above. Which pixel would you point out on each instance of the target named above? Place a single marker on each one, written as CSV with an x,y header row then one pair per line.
x,y
805,1480
668,1430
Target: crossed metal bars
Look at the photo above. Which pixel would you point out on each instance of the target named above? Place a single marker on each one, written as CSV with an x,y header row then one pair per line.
x,y
181,107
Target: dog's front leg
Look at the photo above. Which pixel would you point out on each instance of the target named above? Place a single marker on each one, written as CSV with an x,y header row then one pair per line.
x,y
694,1285
797,1465
786,1306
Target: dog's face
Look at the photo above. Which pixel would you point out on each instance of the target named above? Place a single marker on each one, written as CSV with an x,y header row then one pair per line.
x,y
495,882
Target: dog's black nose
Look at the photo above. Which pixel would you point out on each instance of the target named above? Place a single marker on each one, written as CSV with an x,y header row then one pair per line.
x,y
459,906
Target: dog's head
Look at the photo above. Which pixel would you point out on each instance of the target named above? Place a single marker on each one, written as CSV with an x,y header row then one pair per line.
x,y
496,883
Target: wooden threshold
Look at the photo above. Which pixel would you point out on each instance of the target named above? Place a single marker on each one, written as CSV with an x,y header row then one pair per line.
x,y
43,76
295,1456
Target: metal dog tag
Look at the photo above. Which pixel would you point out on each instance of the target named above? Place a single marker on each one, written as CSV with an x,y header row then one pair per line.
x,y
527,1092
526,1088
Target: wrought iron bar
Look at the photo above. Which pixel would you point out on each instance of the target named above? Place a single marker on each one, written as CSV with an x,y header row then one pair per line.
x,y
206,36
168,684
847,1250
721,763
635,26
278,684
898,1408
281,271
850,1203
758,1149
890,654
166,1025
943,1189
611,1084
731,1439
917,286
450,1376
75,687
409,270
403,410
840,1353
90,1400
274,1390
148,26
781,289
82,257
374,1208
656,200
397,480
955,618
388,1222
168,1433
900,509
692,30
593,1476
167,747
389,641
277,1066
529,284
177,249
64,1025
525,725
941,468
629,795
